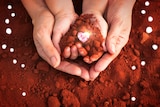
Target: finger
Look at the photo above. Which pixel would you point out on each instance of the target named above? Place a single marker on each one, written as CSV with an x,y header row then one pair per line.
x,y
67,52
117,35
103,26
82,51
43,38
61,26
58,32
78,44
74,69
112,37
87,59
93,74
74,52
85,74
95,57
69,68
106,59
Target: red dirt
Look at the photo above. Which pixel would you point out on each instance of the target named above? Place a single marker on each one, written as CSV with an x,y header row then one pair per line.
x,y
91,46
44,85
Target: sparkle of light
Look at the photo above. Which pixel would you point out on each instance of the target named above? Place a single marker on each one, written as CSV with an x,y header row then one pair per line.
x,y
23,65
4,46
83,36
9,31
150,19
133,98
147,3
24,94
7,21
13,14
133,67
154,46
9,7
14,61
149,29
11,49
143,63
143,12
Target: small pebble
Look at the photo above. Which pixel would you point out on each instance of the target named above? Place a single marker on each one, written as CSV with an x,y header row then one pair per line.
x,y
126,96
53,102
106,104
144,84
82,84
136,52
35,71
57,84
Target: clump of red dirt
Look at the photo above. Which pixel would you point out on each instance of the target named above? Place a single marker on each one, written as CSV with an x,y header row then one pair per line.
x,y
38,84
85,32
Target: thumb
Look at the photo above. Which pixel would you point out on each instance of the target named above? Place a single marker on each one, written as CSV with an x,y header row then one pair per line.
x,y
111,40
46,48
103,28
61,26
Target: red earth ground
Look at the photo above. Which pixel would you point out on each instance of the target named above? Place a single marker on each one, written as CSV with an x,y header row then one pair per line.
x,y
39,85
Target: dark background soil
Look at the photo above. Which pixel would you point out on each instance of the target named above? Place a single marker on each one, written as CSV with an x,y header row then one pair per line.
x,y
45,86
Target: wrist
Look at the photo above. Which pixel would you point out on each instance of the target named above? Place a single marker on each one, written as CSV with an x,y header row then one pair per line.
x,y
43,12
94,6
94,12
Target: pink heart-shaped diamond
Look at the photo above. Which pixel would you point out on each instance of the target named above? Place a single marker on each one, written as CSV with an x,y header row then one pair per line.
x,y
83,36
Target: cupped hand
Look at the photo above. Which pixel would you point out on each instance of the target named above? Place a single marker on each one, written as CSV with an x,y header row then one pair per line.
x,y
62,24
118,15
43,26
47,33
102,25
77,49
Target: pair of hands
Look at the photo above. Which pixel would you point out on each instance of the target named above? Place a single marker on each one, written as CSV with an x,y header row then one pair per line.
x,y
115,28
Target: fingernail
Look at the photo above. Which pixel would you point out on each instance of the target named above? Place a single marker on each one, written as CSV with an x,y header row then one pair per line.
x,y
113,48
53,61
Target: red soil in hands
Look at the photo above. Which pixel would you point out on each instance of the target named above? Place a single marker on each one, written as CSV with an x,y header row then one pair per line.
x,y
91,47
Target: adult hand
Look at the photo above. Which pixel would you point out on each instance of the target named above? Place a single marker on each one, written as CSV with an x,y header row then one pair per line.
x,y
64,17
44,25
48,48
118,15
95,8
